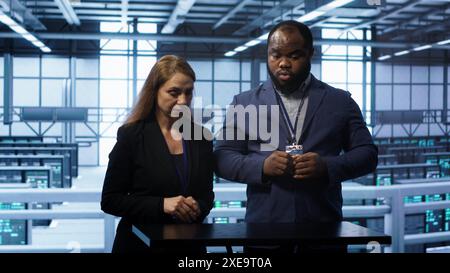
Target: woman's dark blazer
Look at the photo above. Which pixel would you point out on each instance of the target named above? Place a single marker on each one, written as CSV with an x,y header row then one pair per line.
x,y
141,174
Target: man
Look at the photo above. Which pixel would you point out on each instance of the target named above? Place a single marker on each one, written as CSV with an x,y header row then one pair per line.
x,y
324,120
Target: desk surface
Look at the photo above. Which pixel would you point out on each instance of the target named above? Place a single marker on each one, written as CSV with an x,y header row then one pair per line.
x,y
340,233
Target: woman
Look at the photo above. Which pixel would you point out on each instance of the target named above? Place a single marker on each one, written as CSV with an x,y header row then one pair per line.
x,y
153,175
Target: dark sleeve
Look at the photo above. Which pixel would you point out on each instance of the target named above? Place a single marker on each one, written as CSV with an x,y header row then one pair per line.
x,y
360,154
233,162
205,196
116,197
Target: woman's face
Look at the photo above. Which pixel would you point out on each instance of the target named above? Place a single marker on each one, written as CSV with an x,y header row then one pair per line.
x,y
176,91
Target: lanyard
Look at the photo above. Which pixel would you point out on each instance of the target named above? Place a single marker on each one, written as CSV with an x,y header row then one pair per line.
x,y
287,120
185,177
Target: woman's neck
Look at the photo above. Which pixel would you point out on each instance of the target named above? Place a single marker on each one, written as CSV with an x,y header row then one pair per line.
x,y
164,122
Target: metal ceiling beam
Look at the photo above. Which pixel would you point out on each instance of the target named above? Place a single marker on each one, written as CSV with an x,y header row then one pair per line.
x,y
124,12
384,16
387,33
269,15
231,13
320,22
168,10
117,13
130,36
393,45
433,27
19,12
178,15
201,39
103,5
68,12
143,19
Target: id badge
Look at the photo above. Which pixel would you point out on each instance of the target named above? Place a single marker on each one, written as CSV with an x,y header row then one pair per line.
x,y
294,149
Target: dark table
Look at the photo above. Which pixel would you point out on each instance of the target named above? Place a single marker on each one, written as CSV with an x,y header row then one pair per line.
x,y
340,233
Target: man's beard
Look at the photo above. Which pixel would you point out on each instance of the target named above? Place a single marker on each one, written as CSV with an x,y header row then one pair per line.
x,y
294,83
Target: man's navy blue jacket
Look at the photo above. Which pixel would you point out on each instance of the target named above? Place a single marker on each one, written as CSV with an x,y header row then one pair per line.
x,y
333,127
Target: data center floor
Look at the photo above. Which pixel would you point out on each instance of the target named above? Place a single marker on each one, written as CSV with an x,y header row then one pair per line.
x,y
75,232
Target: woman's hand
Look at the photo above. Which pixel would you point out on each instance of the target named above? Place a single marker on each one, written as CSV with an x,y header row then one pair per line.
x,y
184,209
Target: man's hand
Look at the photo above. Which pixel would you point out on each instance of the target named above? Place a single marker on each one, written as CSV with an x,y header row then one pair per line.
x,y
309,165
184,209
276,164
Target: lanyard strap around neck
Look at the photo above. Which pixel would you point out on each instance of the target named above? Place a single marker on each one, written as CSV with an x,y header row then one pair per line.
x,y
292,128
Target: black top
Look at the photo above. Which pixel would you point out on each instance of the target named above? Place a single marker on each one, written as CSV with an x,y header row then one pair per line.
x,y
141,173
336,233
179,165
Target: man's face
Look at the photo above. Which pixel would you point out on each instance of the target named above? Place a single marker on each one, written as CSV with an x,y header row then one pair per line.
x,y
289,59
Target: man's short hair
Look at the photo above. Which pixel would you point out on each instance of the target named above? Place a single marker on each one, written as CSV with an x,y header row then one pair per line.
x,y
302,28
